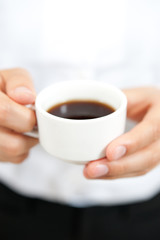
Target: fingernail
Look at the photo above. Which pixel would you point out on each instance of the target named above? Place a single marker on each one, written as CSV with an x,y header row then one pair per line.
x,y
23,93
119,152
23,90
99,171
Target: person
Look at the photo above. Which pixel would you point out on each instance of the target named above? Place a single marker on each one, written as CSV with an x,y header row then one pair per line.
x,y
43,42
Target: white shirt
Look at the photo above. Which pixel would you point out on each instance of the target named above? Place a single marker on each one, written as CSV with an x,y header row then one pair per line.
x,y
113,41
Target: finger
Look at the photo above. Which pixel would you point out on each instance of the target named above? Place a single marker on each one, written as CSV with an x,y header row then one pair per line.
x,y
153,116
139,137
134,164
140,100
143,134
146,132
20,159
15,160
15,116
130,175
13,144
2,83
18,85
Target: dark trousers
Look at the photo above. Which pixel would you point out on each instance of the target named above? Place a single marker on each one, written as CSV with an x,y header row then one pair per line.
x,y
23,218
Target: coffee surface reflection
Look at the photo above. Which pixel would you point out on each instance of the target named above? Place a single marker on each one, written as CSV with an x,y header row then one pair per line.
x,y
81,110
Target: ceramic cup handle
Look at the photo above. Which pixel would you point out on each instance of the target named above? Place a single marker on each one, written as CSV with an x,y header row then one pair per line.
x,y
34,133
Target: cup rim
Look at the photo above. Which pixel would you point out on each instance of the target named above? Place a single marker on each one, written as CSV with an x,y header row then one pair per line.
x,y
47,115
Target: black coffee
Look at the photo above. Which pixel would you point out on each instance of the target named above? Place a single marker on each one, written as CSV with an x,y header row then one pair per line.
x,y
81,110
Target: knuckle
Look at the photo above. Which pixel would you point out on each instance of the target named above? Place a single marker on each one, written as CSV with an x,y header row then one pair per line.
x,y
110,178
4,112
2,84
154,158
20,159
14,147
152,154
154,127
117,169
20,71
123,168
155,130
151,162
142,173
31,120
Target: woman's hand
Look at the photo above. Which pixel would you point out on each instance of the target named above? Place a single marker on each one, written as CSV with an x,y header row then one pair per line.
x,y
138,151
16,90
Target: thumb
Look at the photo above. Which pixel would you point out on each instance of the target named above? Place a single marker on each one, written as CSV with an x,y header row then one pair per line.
x,y
19,85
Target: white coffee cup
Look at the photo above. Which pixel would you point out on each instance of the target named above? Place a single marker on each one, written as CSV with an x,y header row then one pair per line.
x,y
79,141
